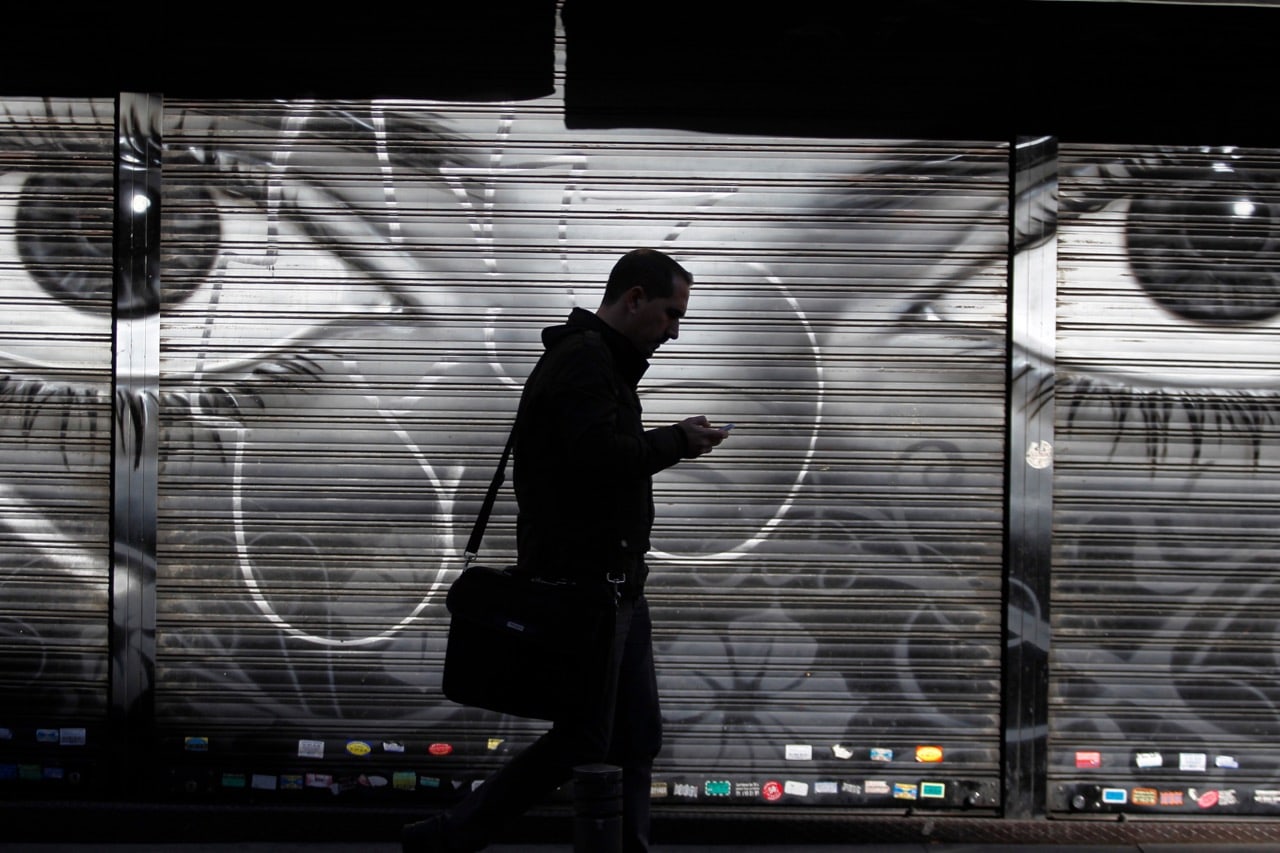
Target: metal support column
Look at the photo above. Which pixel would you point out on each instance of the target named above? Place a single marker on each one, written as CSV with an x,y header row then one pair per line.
x,y
1029,517
135,424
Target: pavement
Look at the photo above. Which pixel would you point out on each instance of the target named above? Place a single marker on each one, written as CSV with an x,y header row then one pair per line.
x,y
392,847
86,827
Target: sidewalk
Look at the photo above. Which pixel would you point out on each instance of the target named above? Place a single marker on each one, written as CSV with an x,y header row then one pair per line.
x,y
95,827
391,847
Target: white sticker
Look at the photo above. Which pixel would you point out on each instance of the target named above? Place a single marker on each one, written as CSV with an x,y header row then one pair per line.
x,y
796,789
1040,454
877,786
311,749
1147,760
1195,762
799,752
1226,762
842,751
825,788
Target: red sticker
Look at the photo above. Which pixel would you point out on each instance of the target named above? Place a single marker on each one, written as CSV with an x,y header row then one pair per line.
x,y
440,748
1088,760
772,791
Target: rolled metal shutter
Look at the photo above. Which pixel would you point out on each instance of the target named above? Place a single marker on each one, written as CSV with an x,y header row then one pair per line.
x,y
354,298
1164,599
56,191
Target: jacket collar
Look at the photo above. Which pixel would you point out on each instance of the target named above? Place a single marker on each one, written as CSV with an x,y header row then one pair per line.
x,y
630,362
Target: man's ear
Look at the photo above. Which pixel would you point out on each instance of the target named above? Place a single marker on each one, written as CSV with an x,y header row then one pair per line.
x,y
632,298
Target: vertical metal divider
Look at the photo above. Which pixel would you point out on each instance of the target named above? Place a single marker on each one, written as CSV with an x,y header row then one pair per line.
x,y
1029,460
135,427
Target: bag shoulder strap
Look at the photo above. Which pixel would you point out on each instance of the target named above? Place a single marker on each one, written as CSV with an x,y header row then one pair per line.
x,y
499,476
491,496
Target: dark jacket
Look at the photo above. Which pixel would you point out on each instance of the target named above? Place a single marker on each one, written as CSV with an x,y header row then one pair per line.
x,y
583,461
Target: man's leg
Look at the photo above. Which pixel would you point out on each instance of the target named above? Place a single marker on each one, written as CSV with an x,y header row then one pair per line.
x,y
581,738
637,731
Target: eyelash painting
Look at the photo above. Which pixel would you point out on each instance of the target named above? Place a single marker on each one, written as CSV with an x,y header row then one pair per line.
x,y
1178,247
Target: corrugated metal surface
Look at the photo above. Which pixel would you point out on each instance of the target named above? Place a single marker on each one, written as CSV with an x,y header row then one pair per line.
x,y
357,303
55,422
1165,604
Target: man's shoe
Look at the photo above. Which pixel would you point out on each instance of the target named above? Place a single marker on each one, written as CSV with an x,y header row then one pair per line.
x,y
425,836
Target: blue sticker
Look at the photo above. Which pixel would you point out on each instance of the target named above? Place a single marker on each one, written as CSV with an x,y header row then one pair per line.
x,y
74,736
905,791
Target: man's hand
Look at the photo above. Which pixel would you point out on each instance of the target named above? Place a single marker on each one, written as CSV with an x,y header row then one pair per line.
x,y
701,435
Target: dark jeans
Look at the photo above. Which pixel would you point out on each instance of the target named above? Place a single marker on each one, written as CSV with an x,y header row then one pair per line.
x,y
621,726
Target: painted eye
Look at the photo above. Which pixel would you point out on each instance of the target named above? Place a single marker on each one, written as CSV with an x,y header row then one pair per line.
x,y
1207,251
61,233
1167,273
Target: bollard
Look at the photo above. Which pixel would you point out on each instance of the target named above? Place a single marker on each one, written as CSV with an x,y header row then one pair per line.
x,y
597,809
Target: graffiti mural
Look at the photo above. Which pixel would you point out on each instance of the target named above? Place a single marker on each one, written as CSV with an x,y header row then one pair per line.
x,y
350,298
348,301
56,197
1164,601
367,318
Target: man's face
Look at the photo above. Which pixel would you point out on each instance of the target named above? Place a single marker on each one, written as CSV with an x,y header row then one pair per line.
x,y
653,322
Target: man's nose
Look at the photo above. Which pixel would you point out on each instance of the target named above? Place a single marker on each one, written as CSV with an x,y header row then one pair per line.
x,y
673,330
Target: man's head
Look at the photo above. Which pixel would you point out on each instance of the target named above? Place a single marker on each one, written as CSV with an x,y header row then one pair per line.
x,y
645,298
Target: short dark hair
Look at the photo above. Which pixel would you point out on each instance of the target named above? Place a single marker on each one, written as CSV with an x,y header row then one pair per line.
x,y
648,268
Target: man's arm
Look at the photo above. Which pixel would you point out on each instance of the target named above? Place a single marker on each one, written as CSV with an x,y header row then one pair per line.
x,y
585,409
